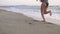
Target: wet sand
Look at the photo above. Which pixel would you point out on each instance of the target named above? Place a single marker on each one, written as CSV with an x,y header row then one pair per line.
x,y
17,23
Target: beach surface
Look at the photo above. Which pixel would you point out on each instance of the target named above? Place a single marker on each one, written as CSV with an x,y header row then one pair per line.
x,y
17,23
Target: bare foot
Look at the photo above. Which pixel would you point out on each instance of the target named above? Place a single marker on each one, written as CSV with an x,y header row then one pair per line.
x,y
50,13
43,21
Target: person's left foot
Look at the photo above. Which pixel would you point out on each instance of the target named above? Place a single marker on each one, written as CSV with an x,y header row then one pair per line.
x,y
50,13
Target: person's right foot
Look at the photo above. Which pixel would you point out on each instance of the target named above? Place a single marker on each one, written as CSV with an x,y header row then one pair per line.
x,y
43,21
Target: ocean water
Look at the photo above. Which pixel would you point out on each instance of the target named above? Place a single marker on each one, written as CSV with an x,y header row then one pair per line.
x,y
34,11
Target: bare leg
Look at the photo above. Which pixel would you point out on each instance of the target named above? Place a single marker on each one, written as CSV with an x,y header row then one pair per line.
x,y
48,12
42,13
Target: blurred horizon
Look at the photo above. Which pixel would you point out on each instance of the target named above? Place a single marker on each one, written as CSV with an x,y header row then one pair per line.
x,y
26,2
27,5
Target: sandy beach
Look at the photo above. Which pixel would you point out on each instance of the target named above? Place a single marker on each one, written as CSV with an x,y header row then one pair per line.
x,y
17,23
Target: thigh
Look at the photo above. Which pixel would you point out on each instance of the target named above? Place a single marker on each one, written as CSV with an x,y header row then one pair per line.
x,y
43,7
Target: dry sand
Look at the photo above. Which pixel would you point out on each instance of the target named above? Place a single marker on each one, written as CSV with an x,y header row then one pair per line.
x,y
15,23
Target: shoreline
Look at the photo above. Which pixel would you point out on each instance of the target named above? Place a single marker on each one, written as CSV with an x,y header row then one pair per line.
x,y
17,23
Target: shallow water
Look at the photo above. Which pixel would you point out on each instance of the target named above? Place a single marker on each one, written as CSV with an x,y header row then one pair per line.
x,y
34,11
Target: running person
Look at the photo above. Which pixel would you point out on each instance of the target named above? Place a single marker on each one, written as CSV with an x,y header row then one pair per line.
x,y
44,7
